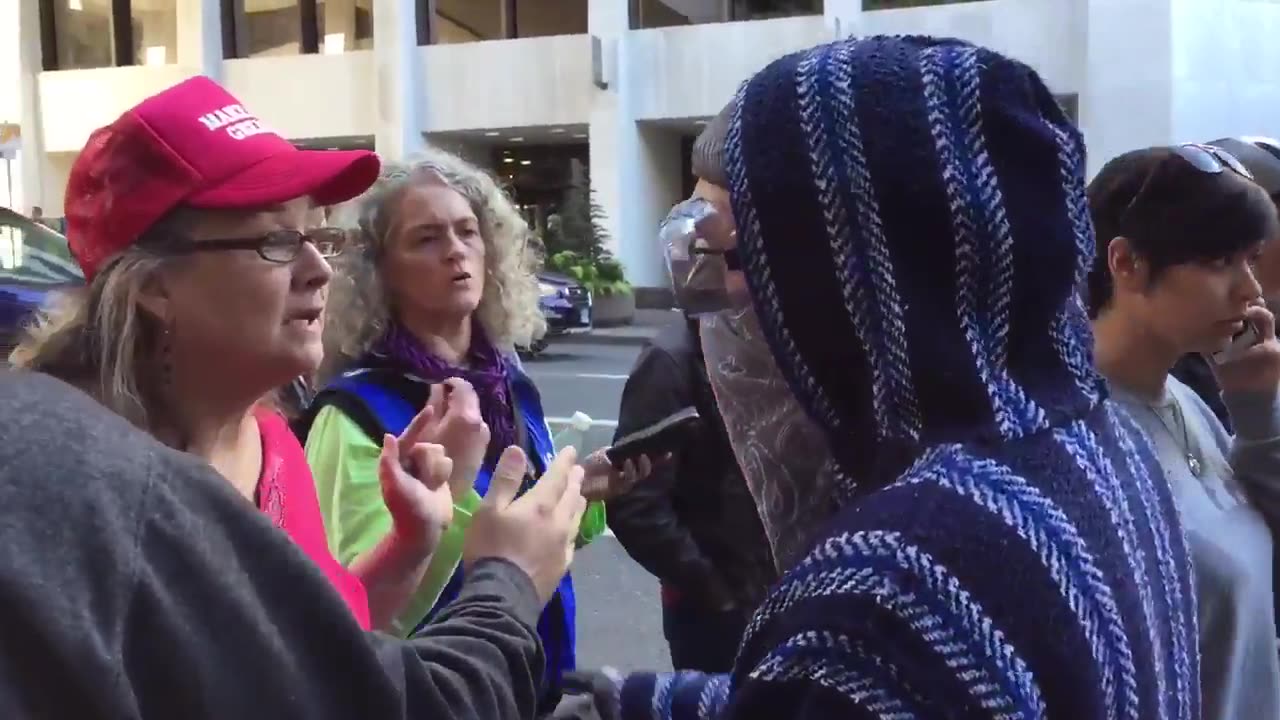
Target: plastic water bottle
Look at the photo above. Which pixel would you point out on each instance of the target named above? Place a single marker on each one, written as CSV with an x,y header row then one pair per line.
x,y
594,521
574,434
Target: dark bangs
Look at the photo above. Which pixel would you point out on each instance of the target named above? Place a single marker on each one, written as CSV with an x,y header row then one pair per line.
x,y
1180,214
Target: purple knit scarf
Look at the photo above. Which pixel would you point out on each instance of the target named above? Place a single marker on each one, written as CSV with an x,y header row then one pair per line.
x,y
486,372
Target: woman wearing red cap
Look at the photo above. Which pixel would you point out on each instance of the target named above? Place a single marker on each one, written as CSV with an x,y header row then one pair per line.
x,y
197,228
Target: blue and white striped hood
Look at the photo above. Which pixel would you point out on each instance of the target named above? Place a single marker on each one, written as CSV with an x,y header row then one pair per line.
x,y
913,222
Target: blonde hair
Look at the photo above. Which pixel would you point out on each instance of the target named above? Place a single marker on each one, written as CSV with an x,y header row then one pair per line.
x,y
359,308
98,339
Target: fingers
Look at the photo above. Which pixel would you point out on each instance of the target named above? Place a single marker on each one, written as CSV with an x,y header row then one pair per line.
x,y
389,460
551,485
571,504
419,426
631,473
461,397
432,466
1263,321
427,462
645,467
598,462
507,478
464,419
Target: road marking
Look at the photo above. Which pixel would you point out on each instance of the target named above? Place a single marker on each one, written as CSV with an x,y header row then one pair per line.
x,y
594,423
584,376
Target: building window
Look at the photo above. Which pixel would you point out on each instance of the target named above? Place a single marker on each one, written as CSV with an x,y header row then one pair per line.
x,y
345,25
667,13
155,31
268,27
81,32
542,18
768,9
897,4
460,21
78,34
263,28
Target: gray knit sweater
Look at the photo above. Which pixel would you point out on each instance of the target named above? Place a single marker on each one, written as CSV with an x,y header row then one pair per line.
x,y
1225,511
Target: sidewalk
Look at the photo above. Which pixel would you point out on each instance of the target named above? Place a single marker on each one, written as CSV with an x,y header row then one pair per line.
x,y
645,325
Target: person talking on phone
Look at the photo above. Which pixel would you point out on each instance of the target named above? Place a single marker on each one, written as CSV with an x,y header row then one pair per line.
x,y
1261,157
1179,230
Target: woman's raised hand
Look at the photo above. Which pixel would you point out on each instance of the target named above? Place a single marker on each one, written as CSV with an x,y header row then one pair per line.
x,y
414,475
456,424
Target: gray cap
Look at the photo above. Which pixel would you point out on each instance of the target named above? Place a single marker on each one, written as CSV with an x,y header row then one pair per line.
x,y
708,149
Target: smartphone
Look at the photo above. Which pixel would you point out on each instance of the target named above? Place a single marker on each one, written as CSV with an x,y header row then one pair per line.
x,y
658,439
1241,341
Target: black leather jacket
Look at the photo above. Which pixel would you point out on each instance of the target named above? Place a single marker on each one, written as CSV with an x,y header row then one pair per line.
x,y
693,524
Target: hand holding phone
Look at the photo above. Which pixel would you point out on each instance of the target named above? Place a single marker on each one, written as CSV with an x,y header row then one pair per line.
x,y
655,441
613,471
1251,364
1240,342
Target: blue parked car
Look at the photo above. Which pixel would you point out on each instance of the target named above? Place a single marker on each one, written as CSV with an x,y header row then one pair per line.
x,y
565,304
34,260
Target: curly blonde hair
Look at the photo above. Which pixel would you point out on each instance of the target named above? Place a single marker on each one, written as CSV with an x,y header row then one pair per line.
x,y
359,308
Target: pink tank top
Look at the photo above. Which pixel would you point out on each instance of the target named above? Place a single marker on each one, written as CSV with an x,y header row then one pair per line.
x,y
287,494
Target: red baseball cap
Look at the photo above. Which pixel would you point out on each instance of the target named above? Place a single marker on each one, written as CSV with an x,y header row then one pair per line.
x,y
193,144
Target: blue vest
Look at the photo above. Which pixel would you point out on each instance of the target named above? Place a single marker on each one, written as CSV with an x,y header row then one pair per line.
x,y
393,412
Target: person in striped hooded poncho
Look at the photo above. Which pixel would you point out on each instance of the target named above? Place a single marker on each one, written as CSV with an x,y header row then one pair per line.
x,y
911,220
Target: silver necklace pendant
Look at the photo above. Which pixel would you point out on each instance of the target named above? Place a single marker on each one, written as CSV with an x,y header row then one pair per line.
x,y
1194,464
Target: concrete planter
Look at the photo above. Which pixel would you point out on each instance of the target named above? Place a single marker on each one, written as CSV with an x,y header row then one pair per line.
x,y
613,310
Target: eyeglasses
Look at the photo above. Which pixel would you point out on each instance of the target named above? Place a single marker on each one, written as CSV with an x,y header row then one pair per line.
x,y
277,246
1206,159
732,260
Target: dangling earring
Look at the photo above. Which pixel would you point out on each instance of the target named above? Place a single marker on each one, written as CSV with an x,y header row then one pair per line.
x,y
166,357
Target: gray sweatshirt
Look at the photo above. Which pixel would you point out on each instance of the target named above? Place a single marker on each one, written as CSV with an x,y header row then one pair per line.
x,y
1225,510
136,583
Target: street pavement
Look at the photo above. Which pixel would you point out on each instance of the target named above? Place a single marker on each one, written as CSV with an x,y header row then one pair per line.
x,y
619,617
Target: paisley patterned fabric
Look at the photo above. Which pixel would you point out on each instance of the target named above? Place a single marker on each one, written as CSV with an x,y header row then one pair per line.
x,y
782,453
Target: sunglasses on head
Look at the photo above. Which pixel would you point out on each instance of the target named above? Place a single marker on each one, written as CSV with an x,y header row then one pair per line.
x,y
1210,159
1206,159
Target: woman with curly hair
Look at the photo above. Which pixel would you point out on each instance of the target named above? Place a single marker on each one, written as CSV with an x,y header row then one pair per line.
x,y
438,291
